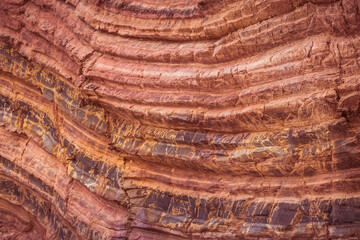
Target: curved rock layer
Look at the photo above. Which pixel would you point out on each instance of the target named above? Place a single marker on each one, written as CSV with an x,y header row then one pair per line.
x,y
181,119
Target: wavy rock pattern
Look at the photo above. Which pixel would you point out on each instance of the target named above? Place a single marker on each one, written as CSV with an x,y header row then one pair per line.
x,y
187,119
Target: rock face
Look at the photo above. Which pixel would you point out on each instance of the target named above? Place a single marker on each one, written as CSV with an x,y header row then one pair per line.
x,y
187,119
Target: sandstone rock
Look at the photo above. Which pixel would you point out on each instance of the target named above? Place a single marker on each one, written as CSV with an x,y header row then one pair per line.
x,y
180,119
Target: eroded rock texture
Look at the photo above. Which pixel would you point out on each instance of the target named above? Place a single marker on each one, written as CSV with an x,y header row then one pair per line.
x,y
187,119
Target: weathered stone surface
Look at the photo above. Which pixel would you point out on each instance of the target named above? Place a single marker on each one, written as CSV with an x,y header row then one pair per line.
x,y
180,119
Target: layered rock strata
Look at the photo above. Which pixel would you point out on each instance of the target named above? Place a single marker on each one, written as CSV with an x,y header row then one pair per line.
x,y
180,119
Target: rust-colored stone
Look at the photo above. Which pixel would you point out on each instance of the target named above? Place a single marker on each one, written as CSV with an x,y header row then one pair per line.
x,y
180,119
